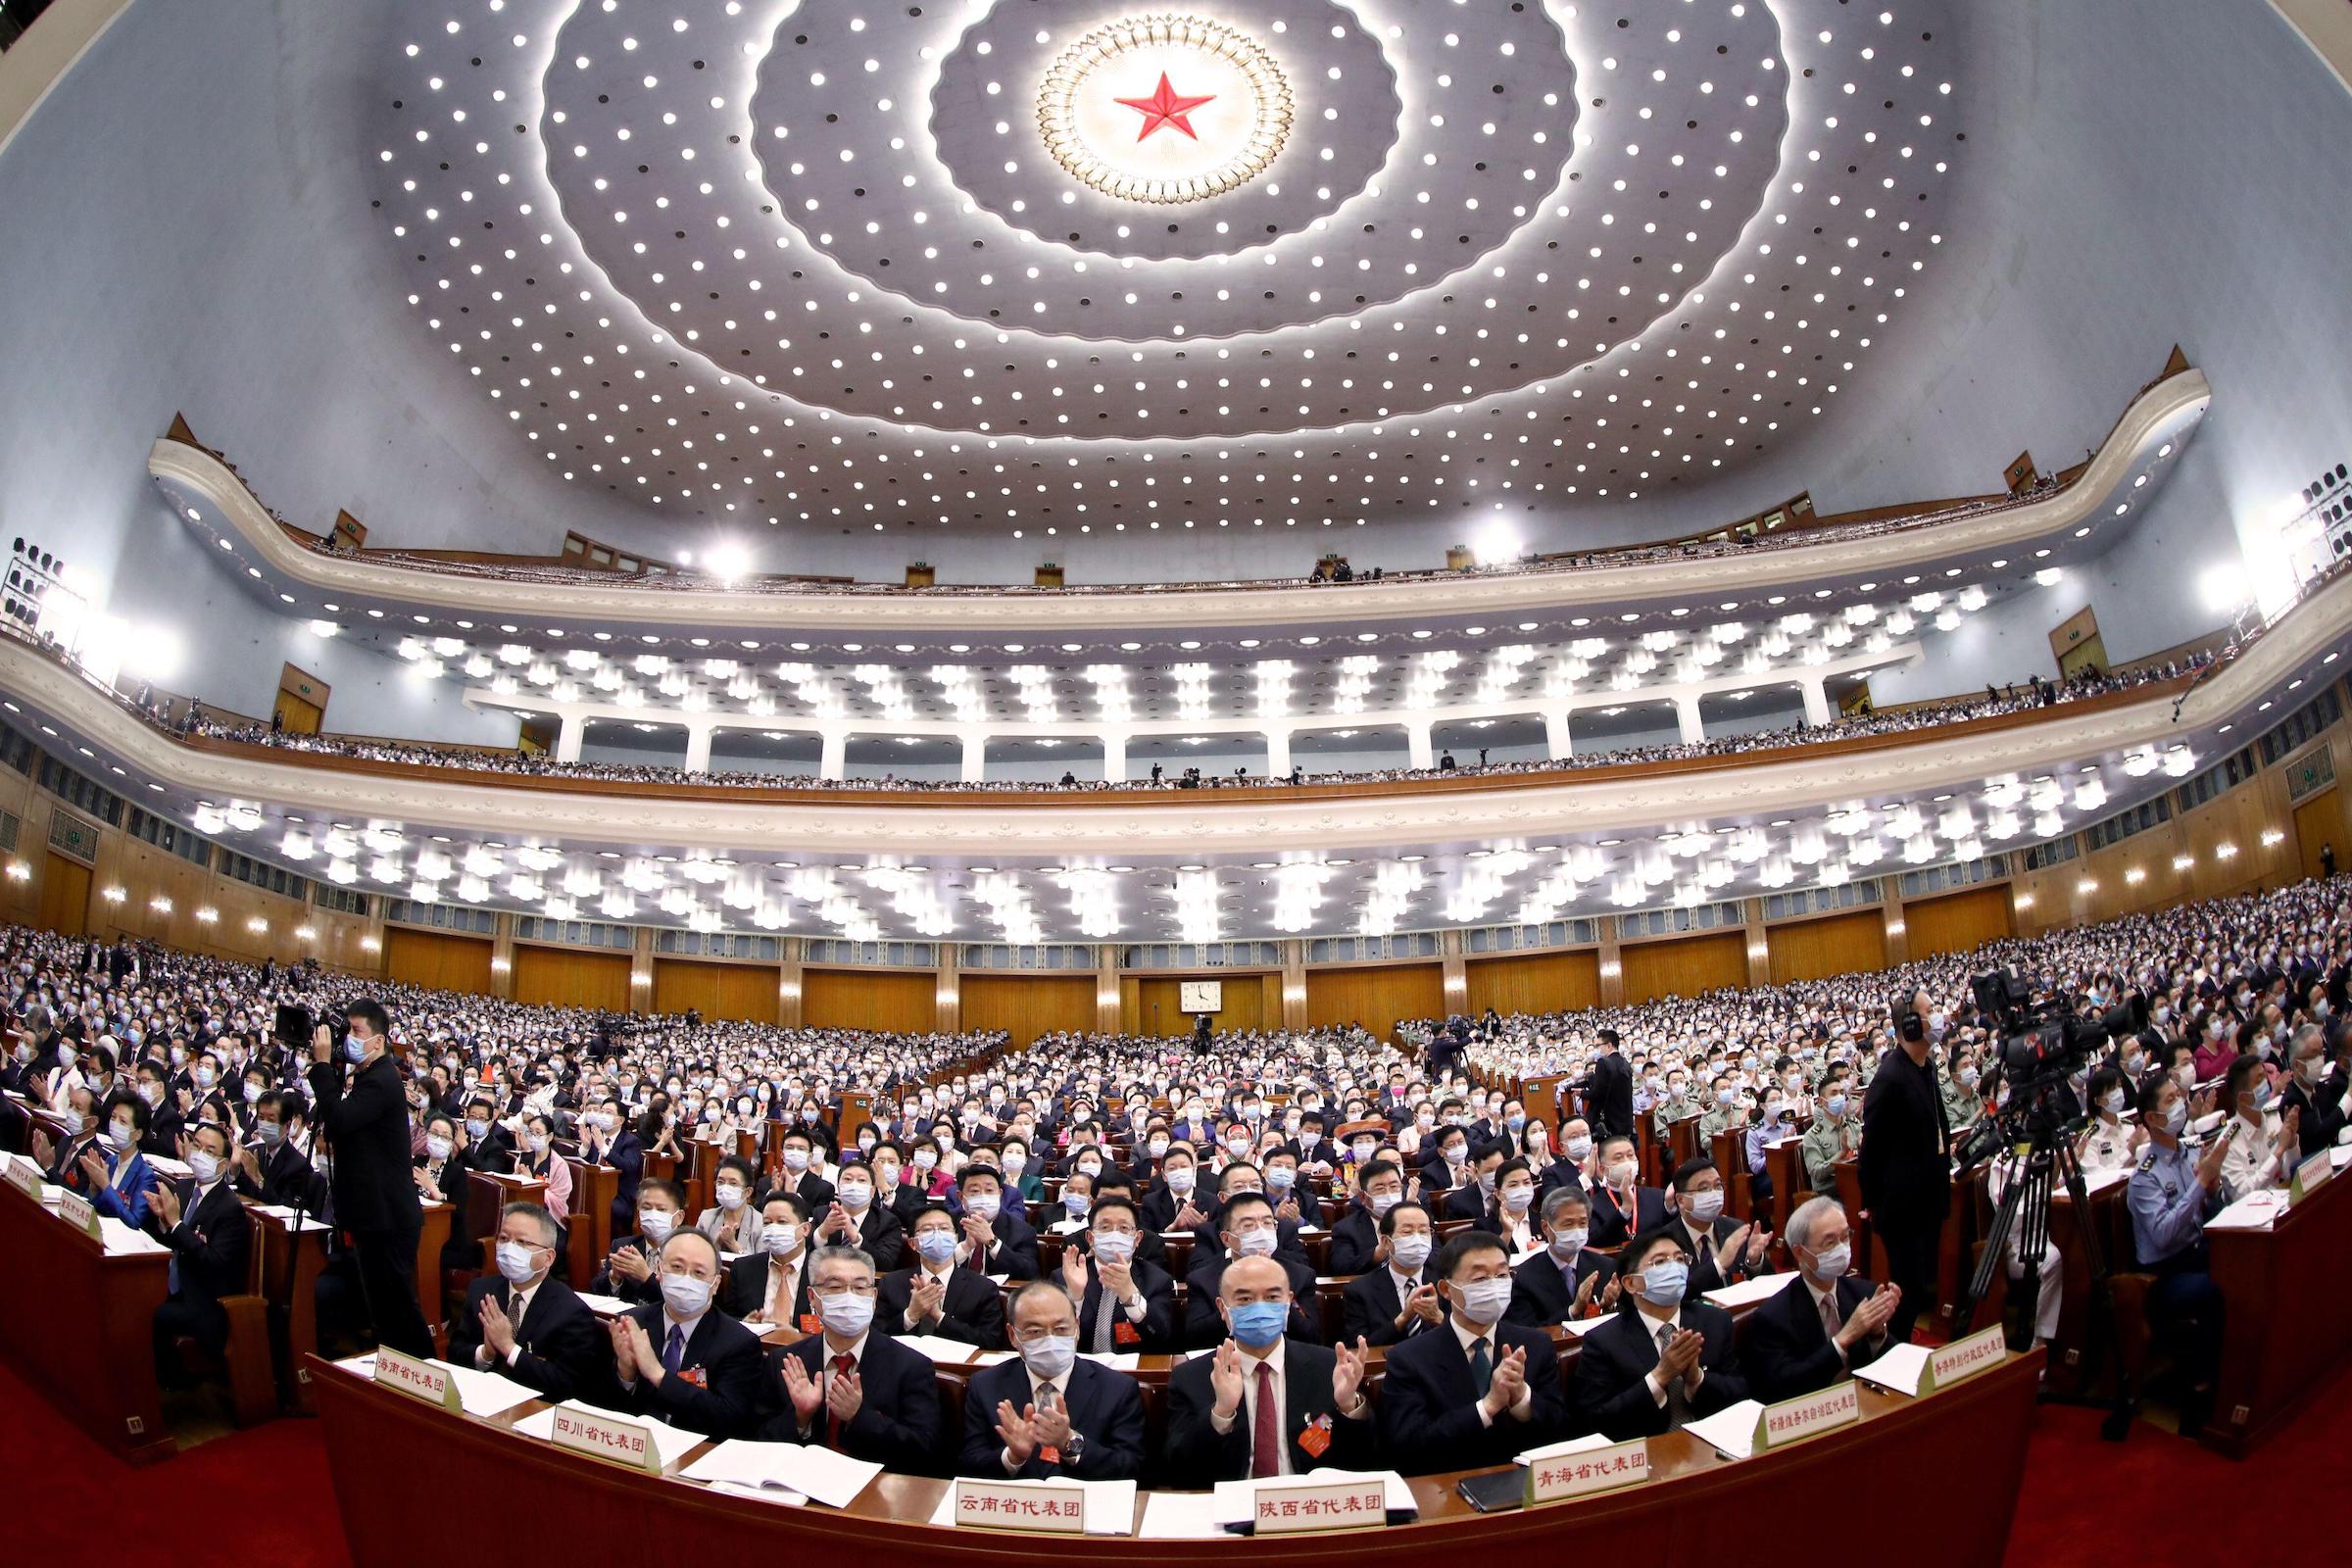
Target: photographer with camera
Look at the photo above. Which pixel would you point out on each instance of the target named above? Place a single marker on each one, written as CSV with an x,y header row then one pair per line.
x,y
365,1127
1905,1162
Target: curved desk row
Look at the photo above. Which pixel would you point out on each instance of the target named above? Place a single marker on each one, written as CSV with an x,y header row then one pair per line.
x,y
389,1453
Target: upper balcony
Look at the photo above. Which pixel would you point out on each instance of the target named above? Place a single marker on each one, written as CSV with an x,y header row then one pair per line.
x,y
1737,567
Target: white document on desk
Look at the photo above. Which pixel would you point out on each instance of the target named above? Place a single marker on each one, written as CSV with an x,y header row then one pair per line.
x,y
1182,1516
604,1306
1110,1505
1582,1326
1898,1370
1561,1450
2098,1181
669,1443
1115,1361
310,1222
1762,1287
2252,1212
1730,1431
832,1478
954,1352
487,1394
164,1165
1236,1502
122,1241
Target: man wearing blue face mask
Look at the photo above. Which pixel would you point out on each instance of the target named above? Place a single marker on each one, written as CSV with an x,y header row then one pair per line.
x,y
1262,1404
1124,1303
1816,1331
1049,1414
1247,1228
1479,1390
1653,1370
849,1389
932,1295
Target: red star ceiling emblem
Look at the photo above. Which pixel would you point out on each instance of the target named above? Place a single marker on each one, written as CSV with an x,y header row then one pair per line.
x,y
1166,106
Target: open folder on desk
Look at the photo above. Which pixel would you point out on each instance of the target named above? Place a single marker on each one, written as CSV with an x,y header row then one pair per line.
x,y
806,1470
1730,1431
1761,1288
123,1241
1110,1505
1899,1371
1236,1502
310,1222
2253,1212
604,1305
487,1394
950,1352
668,1441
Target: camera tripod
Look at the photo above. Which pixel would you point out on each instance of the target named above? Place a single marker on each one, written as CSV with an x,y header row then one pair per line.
x,y
2029,1170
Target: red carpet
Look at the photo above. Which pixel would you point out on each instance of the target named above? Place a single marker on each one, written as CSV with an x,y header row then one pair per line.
x,y
261,1498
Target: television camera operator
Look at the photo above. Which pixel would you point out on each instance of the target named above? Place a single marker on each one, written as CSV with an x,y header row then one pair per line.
x,y
1905,1161
363,1120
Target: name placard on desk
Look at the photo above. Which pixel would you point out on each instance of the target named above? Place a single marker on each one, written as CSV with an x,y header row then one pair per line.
x,y
1579,1475
591,1432
75,1211
1039,1507
24,1176
1808,1416
419,1380
1965,1359
2310,1176
1355,1504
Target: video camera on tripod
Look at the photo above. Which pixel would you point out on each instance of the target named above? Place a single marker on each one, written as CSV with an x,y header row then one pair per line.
x,y
2042,1045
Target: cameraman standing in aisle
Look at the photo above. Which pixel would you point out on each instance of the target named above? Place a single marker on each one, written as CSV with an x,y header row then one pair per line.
x,y
364,1124
1906,1163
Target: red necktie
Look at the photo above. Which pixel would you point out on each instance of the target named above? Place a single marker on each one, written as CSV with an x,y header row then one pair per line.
x,y
1265,1436
843,1366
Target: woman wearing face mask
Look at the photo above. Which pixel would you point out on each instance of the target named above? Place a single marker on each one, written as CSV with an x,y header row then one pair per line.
x,y
1649,1371
732,1221
440,1176
538,1161
2110,1143
110,1173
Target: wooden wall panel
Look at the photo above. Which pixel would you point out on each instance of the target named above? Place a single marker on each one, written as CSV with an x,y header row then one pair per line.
x,y
65,894
747,992
900,999
571,977
2319,824
1149,1003
437,960
1955,922
1685,966
1375,996
1534,982
1836,944
1026,1005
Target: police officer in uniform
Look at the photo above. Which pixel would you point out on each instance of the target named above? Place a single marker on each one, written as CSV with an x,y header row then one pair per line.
x,y
2174,1192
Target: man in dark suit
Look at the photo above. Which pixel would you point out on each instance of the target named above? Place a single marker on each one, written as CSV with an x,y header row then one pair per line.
x,y
903,1199
1621,1208
1905,1162
1243,1179
1478,1390
1173,1204
770,1284
932,1295
1721,1252
2315,1095
1150,1247
607,1139
996,1240
1397,1296
1831,1321
1261,1405
1610,1097
1249,1231
1355,1239
692,1366
849,1389
854,1219
1565,1279
489,1146
524,1324
1048,1414
1474,1199
1652,1370
632,1269
366,1130
210,1240
800,1178
1123,1303
268,1166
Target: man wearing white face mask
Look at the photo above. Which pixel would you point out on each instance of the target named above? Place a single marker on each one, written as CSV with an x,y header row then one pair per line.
x,y
1653,1370
854,1219
770,1283
692,1366
1123,1303
1721,1250
854,1391
1479,1390
522,1322
210,1238
1807,1339
1048,1414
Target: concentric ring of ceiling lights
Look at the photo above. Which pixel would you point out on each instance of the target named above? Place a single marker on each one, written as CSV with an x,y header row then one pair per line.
x,y
810,265
1189,146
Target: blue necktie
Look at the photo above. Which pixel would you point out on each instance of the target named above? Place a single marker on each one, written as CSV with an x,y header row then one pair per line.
x,y
674,1352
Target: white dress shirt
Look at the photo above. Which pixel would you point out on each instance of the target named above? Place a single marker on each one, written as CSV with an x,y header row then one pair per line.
x,y
1468,1334
1247,1413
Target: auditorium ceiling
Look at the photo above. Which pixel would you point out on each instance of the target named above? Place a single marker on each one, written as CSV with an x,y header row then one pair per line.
x,y
1092,269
